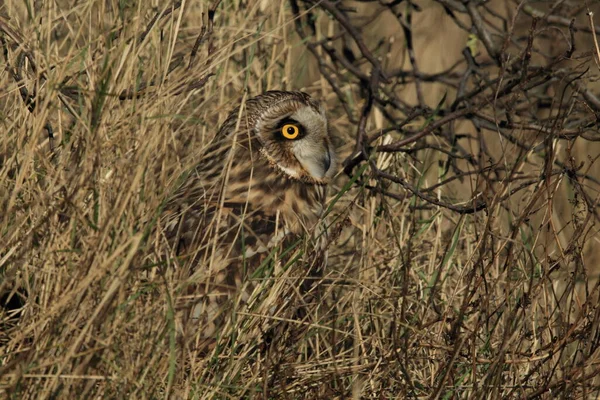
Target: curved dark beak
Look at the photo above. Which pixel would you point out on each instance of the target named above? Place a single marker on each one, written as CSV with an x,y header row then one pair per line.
x,y
326,162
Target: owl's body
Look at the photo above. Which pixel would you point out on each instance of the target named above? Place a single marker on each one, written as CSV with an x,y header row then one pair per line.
x,y
260,184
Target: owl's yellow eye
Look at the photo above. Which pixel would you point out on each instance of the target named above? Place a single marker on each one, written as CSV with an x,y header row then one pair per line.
x,y
290,131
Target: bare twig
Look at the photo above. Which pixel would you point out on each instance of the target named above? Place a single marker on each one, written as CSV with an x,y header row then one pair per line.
x,y
597,58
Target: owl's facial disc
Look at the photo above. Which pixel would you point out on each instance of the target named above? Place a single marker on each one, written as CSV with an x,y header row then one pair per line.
x,y
315,158
298,142
313,149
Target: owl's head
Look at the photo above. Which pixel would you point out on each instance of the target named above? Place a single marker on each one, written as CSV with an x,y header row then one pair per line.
x,y
293,135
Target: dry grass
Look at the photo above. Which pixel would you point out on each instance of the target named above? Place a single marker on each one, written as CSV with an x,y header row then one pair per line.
x,y
416,301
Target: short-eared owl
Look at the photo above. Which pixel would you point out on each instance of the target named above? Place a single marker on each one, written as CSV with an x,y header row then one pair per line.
x,y
260,184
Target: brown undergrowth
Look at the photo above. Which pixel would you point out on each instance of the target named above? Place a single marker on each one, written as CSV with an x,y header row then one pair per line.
x,y
463,251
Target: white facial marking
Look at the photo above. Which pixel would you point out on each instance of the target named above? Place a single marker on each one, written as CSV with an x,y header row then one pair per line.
x,y
289,171
311,151
312,120
312,156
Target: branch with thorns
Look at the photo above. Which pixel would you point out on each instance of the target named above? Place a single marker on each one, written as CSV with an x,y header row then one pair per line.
x,y
501,104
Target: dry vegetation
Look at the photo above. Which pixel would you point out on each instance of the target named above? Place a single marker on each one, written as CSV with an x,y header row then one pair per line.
x,y
466,244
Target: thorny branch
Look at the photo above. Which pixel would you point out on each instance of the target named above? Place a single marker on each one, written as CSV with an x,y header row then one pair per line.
x,y
509,116
496,90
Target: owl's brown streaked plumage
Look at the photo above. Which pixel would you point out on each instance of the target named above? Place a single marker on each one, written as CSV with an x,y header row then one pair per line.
x,y
261,183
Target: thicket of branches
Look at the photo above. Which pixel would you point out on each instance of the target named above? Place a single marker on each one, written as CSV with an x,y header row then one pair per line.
x,y
530,93
464,223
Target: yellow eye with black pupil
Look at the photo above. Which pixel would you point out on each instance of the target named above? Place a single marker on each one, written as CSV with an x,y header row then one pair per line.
x,y
290,131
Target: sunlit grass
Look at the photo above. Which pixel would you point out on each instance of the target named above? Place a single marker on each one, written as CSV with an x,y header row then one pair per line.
x,y
416,301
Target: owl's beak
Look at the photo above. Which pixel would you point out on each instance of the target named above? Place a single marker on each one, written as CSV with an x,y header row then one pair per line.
x,y
326,162
318,160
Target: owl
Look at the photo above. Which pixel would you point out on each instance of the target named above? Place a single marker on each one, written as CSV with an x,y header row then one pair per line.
x,y
260,185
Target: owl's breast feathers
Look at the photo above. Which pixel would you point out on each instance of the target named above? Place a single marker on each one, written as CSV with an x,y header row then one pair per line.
x,y
246,202
236,207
